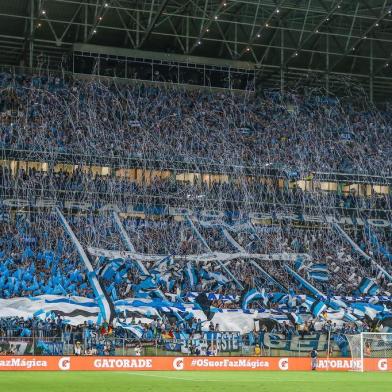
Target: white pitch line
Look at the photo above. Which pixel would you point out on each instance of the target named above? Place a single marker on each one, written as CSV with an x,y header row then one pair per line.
x,y
168,377
212,380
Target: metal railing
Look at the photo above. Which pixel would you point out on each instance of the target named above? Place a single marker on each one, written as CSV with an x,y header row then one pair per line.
x,y
176,200
104,345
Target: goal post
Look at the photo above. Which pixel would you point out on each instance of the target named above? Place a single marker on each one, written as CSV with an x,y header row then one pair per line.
x,y
369,345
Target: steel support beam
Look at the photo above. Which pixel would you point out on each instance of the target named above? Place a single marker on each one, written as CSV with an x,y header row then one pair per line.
x,y
31,38
153,22
353,47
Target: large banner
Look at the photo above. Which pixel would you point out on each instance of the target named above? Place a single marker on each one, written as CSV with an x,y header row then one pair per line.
x,y
210,216
224,341
19,363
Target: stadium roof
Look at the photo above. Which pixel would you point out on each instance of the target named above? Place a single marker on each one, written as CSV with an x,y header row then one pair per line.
x,y
328,36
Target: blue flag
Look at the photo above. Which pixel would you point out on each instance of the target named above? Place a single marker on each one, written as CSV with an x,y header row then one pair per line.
x,y
253,295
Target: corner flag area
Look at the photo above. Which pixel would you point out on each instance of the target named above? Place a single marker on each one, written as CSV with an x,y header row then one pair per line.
x,y
194,381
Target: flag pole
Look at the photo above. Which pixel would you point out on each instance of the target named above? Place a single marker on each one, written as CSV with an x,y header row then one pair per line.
x,y
328,347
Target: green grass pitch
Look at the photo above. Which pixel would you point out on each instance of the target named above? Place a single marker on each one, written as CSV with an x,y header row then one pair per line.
x,y
194,381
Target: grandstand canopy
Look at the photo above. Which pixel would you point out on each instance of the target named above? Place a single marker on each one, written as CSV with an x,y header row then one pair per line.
x,y
283,39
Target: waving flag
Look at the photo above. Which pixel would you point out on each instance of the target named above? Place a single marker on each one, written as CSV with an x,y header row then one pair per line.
x,y
318,272
253,295
361,309
319,275
163,265
147,284
219,277
319,268
299,264
204,274
135,329
295,318
317,308
349,317
168,281
278,297
368,286
191,274
108,271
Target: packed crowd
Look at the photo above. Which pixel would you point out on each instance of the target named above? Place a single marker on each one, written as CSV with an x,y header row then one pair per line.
x,y
300,135
294,136
37,257
308,328
240,192
90,335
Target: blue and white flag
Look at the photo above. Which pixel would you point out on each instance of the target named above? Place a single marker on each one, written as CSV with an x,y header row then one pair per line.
x,y
218,277
299,264
371,311
253,295
168,281
322,267
319,275
349,317
317,308
361,309
204,274
147,284
318,272
368,286
163,265
278,297
295,318
377,247
108,271
137,330
191,274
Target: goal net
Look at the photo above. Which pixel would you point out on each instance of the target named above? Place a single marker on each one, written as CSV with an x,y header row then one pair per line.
x,y
369,345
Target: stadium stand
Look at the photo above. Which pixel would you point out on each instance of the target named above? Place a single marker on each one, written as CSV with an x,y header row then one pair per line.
x,y
156,239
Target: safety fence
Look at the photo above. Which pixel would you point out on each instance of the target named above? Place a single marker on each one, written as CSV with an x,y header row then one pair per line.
x,y
206,343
